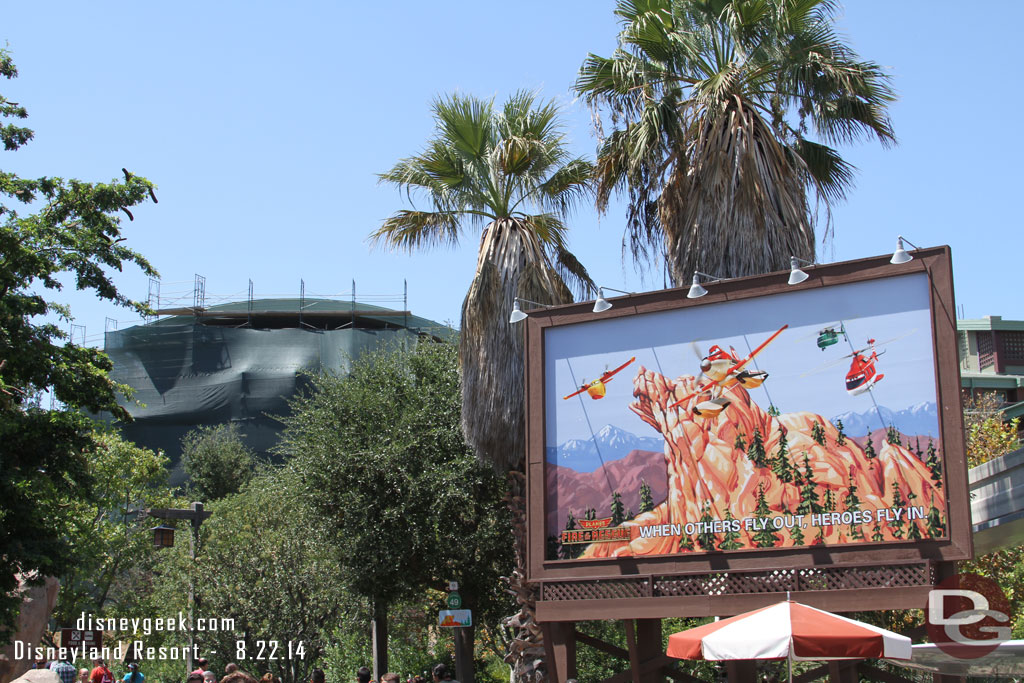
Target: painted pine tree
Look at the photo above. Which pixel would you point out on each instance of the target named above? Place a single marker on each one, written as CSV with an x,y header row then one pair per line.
x,y
740,443
646,497
591,513
828,503
570,551
892,436
756,449
914,534
933,464
766,537
773,411
706,537
818,433
851,502
618,510
876,535
797,534
917,449
936,528
869,452
808,491
898,502
731,538
781,465
685,543
840,436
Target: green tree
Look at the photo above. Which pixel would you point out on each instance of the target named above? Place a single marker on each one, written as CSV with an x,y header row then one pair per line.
x,y
876,534
781,465
52,231
869,451
618,511
486,169
109,533
797,534
391,481
217,461
900,504
731,538
740,442
569,551
892,435
818,433
851,502
713,104
646,497
766,537
934,465
936,527
808,491
706,537
840,435
755,451
914,533
828,503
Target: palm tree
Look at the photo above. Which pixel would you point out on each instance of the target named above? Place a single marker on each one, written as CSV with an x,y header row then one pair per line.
x,y
508,174
712,104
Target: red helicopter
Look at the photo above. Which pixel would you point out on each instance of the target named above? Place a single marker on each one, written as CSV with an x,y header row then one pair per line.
x,y
596,389
726,370
862,375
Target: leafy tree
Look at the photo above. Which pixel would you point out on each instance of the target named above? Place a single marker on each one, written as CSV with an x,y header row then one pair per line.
x,y
409,507
52,230
840,435
108,531
755,451
818,433
216,460
618,511
988,435
731,537
766,537
264,561
713,104
781,465
646,497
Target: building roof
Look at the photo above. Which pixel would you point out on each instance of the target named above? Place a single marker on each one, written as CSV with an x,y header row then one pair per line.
x,y
990,322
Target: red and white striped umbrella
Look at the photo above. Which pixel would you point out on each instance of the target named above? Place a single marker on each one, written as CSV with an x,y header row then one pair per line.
x,y
788,630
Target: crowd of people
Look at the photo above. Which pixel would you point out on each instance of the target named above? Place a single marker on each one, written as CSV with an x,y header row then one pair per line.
x,y
100,673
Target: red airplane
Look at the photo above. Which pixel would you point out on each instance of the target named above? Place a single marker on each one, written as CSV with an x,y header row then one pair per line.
x,y
726,370
596,389
862,375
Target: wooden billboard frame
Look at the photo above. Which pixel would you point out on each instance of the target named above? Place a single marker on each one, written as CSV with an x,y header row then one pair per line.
x,y
862,576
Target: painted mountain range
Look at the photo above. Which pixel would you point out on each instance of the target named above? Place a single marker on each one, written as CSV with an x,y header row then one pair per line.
x,y
745,463
609,444
922,418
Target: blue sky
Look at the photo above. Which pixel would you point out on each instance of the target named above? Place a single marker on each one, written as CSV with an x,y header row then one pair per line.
x,y
264,126
893,311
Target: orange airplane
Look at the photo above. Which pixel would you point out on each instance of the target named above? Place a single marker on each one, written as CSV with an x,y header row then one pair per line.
x,y
596,389
725,370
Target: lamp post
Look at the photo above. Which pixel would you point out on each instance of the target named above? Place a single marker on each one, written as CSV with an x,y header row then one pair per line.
x,y
163,537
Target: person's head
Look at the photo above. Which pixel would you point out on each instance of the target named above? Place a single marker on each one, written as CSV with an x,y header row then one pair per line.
x,y
230,668
238,676
202,663
362,676
133,668
440,672
209,677
83,675
317,676
389,678
194,678
97,662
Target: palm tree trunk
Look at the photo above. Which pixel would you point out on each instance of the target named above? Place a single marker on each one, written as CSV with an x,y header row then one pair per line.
x,y
526,648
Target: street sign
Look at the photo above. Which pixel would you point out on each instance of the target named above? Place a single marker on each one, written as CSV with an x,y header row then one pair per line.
x,y
454,600
74,638
455,618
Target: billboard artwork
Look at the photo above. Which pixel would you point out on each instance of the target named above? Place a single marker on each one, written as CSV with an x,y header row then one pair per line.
x,y
795,419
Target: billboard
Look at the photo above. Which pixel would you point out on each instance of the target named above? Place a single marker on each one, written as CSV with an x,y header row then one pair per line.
x,y
794,419
819,423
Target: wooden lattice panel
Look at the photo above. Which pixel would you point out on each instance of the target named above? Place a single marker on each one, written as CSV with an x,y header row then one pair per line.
x,y
742,583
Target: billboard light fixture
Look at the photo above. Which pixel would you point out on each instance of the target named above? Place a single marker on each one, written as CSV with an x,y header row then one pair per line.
x,y
696,291
517,312
601,304
901,255
796,276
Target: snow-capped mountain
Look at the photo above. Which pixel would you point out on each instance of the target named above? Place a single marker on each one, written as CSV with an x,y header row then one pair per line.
x,y
921,418
609,444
